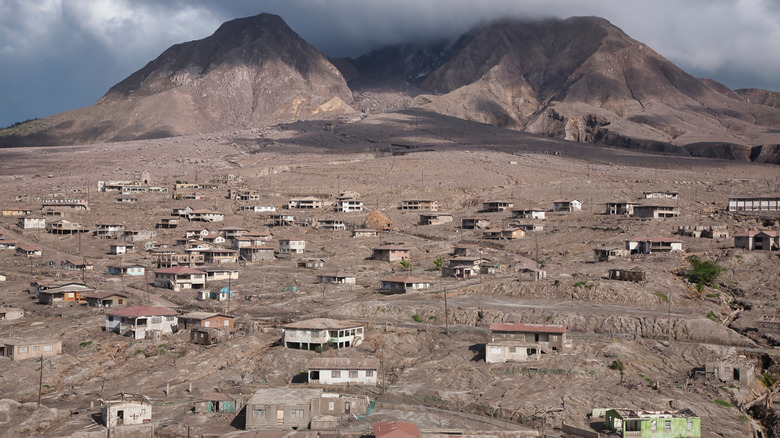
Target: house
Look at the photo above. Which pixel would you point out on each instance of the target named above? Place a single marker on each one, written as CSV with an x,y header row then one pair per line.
x,y
331,225
218,402
108,230
205,336
219,294
404,283
137,235
709,231
220,274
635,274
260,253
419,204
503,234
336,278
311,263
747,203
180,277
196,232
307,203
121,248
206,216
31,223
343,370
292,245
63,226
435,218
243,195
280,220
11,314
126,200
21,349
529,227
641,245
213,239
349,205
660,194
141,322
390,253
106,299
512,350
312,333
49,284
8,244
126,409
730,371
656,211
129,270
652,424
181,211
496,206
365,232
219,256
464,267
607,254
567,205
281,408
531,274
551,336
466,249
746,239
528,213
396,429
168,222
474,222
29,250
208,320
232,232
767,240
620,207
256,208
77,265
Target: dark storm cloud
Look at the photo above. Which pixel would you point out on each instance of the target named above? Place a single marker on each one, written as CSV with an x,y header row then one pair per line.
x,y
62,54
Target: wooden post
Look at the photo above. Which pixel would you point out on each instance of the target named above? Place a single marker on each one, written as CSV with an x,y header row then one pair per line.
x,y
167,389
40,383
446,313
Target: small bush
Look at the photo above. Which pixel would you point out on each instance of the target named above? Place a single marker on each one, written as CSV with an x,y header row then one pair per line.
x,y
85,344
713,317
723,403
702,272
662,297
618,365
416,318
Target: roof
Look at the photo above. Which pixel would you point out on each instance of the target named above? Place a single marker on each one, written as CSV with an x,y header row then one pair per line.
x,y
396,429
405,279
206,212
203,315
179,270
30,248
527,328
21,341
343,363
215,396
101,295
322,324
284,396
391,248
749,233
773,233
136,311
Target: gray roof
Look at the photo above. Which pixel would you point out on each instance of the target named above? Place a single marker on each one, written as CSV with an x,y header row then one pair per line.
x,y
343,363
322,324
283,396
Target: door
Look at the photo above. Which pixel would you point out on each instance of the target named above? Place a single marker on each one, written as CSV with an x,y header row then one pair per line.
x,y
120,417
347,407
280,417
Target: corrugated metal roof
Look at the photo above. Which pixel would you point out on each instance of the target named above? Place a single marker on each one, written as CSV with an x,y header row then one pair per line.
x,y
528,328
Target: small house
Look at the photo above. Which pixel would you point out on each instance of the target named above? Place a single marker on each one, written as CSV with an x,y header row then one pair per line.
x,y
655,245
419,204
464,267
365,232
746,239
551,336
213,239
336,278
607,254
126,409
466,249
217,402
214,273
31,223
404,283
311,263
349,205
106,299
208,320
232,232
129,270
390,253
141,322
205,336
331,225
21,349
292,245
280,220
435,218
343,370
180,277
285,408
656,211
496,206
77,265
620,207
8,244
168,222
206,216
63,294
196,232
260,253
307,203
121,248
531,274
29,250
767,240
312,333
474,222
731,371
651,424
503,234
11,313
512,350
528,213
108,230
568,205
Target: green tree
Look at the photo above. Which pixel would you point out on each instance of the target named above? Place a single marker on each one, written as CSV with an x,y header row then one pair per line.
x,y
702,272
438,262
407,264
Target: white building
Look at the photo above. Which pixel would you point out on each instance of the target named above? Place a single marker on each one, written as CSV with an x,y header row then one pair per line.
x,y
343,370
349,205
313,333
126,409
292,245
141,322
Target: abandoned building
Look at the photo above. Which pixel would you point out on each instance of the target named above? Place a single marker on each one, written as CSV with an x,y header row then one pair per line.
x,y
331,225
607,254
180,277
390,253
131,270
208,320
168,222
629,423
126,409
307,203
656,211
634,274
403,283
312,333
343,370
365,232
511,350
503,234
567,205
21,349
349,205
747,203
496,206
63,295
292,245
299,408
280,220
218,402
31,223
121,248
528,213
758,240
464,267
142,322
336,278
660,194
256,253
206,216
11,313
708,231
419,204
620,207
474,222
106,299
435,218
655,245
311,263
63,226
551,336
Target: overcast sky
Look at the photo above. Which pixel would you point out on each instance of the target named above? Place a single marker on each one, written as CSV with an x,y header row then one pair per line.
x,y
57,55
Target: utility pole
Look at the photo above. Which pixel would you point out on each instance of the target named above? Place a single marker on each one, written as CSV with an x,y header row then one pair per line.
x,y
230,291
669,315
446,313
40,383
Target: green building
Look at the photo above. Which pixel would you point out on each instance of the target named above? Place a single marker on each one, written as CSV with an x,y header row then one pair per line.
x,y
653,424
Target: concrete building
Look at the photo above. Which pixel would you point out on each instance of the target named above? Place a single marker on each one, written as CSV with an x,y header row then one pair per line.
x,y
435,218
656,211
312,333
141,322
635,274
607,254
21,349
125,410
404,283
336,278
642,245
106,299
285,408
343,370
390,253
307,203
750,203
206,216
129,270
552,336
474,222
31,223
208,320
419,204
653,424
496,206
528,213
11,313
180,277
349,205
660,194
292,245
567,205
512,350
620,207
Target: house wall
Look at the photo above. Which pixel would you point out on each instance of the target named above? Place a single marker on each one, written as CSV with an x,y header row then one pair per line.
x,y
306,338
11,314
341,377
219,322
495,353
33,350
261,416
131,413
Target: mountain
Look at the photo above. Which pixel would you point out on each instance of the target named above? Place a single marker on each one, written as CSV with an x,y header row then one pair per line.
x,y
251,72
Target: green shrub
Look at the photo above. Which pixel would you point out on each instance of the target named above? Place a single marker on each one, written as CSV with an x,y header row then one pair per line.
x,y
416,318
702,272
723,403
712,316
618,365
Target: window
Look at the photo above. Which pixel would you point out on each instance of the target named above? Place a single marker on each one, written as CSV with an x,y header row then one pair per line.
x,y
226,323
258,413
513,349
47,348
297,413
335,374
206,323
369,373
667,425
36,348
331,406
495,350
653,425
156,320
167,318
22,349
689,425
353,374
